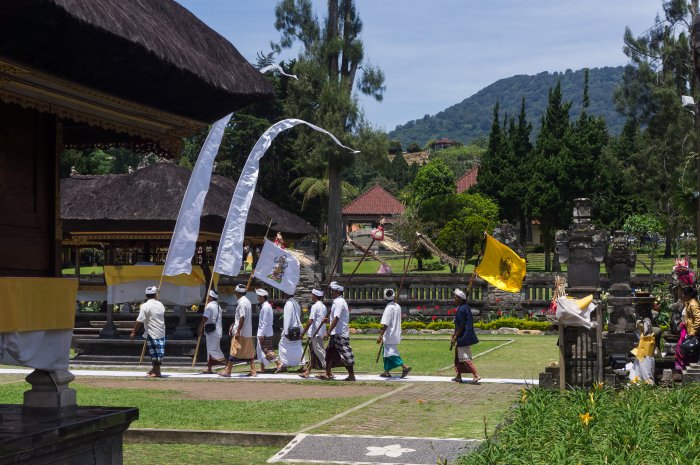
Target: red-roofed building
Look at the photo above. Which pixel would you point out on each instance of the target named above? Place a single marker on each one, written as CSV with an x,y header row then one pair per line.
x,y
372,206
468,180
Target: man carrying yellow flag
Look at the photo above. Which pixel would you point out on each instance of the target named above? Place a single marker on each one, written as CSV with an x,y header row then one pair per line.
x,y
501,267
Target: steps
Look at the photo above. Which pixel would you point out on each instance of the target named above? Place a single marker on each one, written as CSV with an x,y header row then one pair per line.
x,y
691,374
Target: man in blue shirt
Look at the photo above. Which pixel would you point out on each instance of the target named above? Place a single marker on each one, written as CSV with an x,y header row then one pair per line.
x,y
464,337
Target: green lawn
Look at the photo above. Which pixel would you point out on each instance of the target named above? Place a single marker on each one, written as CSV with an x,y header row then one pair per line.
x,y
84,270
157,410
171,454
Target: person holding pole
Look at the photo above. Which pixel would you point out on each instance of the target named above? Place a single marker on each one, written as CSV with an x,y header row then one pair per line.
x,y
210,327
266,354
339,351
152,316
390,335
464,337
316,330
242,342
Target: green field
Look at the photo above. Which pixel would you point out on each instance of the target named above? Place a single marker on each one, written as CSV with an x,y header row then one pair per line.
x,y
205,454
84,270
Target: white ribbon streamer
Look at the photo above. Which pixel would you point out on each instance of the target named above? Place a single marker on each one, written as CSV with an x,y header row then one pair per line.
x,y
229,255
184,240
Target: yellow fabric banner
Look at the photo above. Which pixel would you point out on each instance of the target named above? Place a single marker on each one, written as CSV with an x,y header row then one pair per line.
x,y
128,273
501,267
37,304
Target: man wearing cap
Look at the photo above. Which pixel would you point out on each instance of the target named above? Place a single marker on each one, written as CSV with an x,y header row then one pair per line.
x,y
291,349
266,354
152,316
339,351
210,327
242,342
464,337
390,335
315,329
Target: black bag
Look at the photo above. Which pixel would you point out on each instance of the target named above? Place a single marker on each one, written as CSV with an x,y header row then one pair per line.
x,y
690,346
294,332
211,327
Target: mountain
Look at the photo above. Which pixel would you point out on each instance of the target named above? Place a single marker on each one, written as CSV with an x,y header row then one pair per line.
x,y
471,118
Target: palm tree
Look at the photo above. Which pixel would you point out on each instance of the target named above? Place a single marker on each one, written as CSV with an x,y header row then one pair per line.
x,y
312,188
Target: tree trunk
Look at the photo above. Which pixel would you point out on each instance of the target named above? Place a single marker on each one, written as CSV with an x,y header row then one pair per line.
x,y
335,216
331,34
547,249
669,244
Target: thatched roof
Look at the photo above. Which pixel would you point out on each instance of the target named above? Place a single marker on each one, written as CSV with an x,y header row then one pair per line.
x,y
153,52
149,200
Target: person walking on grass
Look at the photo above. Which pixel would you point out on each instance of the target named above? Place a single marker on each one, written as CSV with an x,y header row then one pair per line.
x,y
390,335
339,352
210,327
464,337
266,354
242,342
152,316
315,330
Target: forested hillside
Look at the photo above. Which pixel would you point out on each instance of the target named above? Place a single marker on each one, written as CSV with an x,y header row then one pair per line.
x,y
472,117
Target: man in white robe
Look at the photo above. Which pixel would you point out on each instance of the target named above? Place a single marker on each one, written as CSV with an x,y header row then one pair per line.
x,y
241,332
212,316
315,329
265,351
291,349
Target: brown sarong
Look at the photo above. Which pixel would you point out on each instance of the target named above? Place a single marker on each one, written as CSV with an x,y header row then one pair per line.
x,y
461,366
242,348
267,347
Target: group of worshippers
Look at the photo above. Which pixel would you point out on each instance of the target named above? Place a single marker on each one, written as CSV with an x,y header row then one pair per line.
x,y
688,320
247,348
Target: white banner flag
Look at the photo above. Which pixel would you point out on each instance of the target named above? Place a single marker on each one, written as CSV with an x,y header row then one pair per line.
x,y
229,255
278,268
184,240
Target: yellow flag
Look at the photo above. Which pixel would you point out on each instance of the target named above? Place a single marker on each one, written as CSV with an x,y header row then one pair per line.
x,y
501,267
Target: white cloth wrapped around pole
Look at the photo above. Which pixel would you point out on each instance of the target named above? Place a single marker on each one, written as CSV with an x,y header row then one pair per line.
x,y
229,256
570,314
184,240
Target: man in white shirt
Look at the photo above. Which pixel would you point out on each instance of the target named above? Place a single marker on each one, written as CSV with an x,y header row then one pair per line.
x,y
152,316
316,330
266,353
291,350
339,352
390,335
242,341
210,327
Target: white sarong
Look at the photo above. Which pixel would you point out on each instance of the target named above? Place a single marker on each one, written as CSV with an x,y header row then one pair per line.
x,y
391,350
290,352
214,346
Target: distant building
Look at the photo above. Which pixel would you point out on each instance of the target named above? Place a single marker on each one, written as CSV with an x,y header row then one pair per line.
x,y
468,180
371,207
444,143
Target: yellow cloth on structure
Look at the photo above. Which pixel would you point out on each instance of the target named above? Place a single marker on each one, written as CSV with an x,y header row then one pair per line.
x,y
645,348
128,273
37,304
501,267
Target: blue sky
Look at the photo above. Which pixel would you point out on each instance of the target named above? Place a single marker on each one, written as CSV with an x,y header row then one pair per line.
x,y
436,53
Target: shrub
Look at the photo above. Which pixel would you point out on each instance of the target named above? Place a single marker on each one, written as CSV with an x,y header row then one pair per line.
x,y
436,325
413,325
355,325
365,319
510,322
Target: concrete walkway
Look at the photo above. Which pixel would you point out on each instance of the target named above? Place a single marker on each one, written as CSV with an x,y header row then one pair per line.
x,y
268,377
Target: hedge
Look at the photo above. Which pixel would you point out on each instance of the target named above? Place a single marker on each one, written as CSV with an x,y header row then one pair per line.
x,y
436,325
510,322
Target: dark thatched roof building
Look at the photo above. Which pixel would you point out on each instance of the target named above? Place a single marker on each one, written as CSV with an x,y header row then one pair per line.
x,y
144,205
140,68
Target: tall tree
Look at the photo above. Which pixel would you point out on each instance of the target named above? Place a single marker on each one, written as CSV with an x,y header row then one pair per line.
x,y
331,56
546,199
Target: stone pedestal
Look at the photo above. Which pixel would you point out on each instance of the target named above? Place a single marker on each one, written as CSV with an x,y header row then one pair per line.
x,y
182,330
109,330
50,394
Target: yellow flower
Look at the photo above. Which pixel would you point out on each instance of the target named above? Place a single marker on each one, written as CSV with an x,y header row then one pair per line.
x,y
590,395
585,419
524,395
598,386
635,380
420,401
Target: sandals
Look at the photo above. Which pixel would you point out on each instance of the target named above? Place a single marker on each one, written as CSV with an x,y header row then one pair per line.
x,y
225,375
349,378
476,380
325,378
456,380
251,374
405,372
385,375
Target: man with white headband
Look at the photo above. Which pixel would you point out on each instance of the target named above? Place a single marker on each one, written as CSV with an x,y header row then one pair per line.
x,y
266,353
315,329
210,327
152,316
464,337
390,335
339,352
242,341
291,349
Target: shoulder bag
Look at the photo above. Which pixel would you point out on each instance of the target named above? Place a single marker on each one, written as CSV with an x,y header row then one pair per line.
x,y
294,332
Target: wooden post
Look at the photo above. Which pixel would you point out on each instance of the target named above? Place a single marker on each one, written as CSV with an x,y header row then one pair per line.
x,y
599,337
347,282
562,358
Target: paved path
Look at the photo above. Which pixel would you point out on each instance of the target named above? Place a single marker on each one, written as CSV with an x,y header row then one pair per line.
x,y
328,448
268,377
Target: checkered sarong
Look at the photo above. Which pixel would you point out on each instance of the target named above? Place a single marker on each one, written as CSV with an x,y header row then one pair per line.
x,y
156,348
339,350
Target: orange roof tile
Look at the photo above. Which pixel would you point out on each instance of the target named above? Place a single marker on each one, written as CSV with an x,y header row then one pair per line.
x,y
375,201
468,180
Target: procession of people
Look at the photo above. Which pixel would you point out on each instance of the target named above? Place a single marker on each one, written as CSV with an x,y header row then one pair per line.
x,y
322,325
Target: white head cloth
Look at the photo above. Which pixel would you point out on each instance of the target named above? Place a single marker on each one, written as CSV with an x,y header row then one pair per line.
x,y
460,293
389,294
241,288
213,294
152,290
336,287
261,292
317,292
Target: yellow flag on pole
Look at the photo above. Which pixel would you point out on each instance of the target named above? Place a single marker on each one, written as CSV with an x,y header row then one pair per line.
x,y
501,267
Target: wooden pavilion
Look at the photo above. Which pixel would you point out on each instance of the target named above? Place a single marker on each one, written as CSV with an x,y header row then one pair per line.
x,y
89,73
